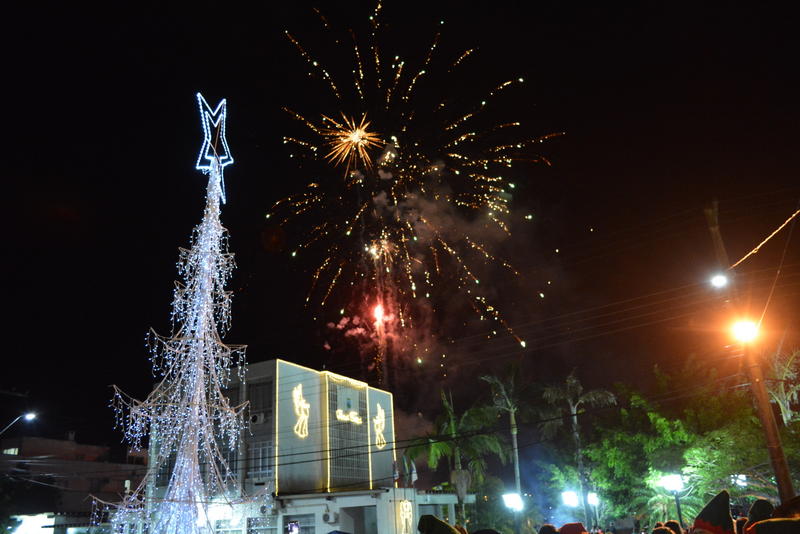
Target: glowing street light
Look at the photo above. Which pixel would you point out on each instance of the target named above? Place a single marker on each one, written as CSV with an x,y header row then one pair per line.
x,y
570,499
739,480
744,331
674,483
594,502
719,281
513,501
30,416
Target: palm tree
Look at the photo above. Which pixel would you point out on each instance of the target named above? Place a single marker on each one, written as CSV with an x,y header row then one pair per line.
x,y
461,438
505,398
568,399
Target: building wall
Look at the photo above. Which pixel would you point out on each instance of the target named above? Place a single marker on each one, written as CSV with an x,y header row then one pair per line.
x,y
300,430
382,437
61,476
327,432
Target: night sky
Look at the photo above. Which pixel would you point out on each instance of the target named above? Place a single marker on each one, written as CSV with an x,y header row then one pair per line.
x,y
664,107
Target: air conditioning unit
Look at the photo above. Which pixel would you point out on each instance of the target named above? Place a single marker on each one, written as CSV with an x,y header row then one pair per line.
x,y
330,517
257,418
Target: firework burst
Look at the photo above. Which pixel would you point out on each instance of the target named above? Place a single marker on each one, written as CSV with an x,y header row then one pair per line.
x,y
418,201
350,143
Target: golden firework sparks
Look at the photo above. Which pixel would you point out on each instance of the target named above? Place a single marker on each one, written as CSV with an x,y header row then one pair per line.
x,y
350,141
393,228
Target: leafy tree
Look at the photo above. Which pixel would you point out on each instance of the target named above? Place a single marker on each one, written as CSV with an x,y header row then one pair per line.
x,y
490,511
505,397
462,439
569,400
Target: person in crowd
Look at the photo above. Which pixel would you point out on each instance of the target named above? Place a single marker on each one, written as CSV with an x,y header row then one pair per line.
x,y
674,526
429,524
572,528
785,518
740,524
790,508
715,517
661,530
547,528
760,510
777,525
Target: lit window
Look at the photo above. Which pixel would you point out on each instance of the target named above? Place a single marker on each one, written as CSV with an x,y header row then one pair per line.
x,y
223,526
261,525
14,451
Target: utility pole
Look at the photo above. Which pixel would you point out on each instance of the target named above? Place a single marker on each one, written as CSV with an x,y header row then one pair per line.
x,y
754,373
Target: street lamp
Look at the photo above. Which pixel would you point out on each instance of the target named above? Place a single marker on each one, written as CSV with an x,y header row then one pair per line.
x,y
745,332
594,500
30,416
674,483
513,502
570,499
719,281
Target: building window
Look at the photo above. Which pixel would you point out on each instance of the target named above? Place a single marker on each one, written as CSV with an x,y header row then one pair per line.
x,y
14,451
260,396
261,525
223,526
260,457
306,522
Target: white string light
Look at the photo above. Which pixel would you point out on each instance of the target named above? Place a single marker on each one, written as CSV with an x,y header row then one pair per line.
x,y
187,417
215,144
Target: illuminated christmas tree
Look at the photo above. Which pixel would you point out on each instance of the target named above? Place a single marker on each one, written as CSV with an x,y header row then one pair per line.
x,y
191,424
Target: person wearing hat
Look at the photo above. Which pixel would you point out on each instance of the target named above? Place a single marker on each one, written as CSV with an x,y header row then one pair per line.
x,y
572,528
715,517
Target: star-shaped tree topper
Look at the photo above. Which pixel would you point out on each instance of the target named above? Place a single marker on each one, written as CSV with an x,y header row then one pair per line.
x,y
215,145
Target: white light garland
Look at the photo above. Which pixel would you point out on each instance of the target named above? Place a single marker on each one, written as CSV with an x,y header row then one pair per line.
x,y
187,417
214,151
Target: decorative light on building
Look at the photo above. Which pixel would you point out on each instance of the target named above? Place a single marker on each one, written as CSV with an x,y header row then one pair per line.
x,y
302,409
379,426
406,517
349,417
